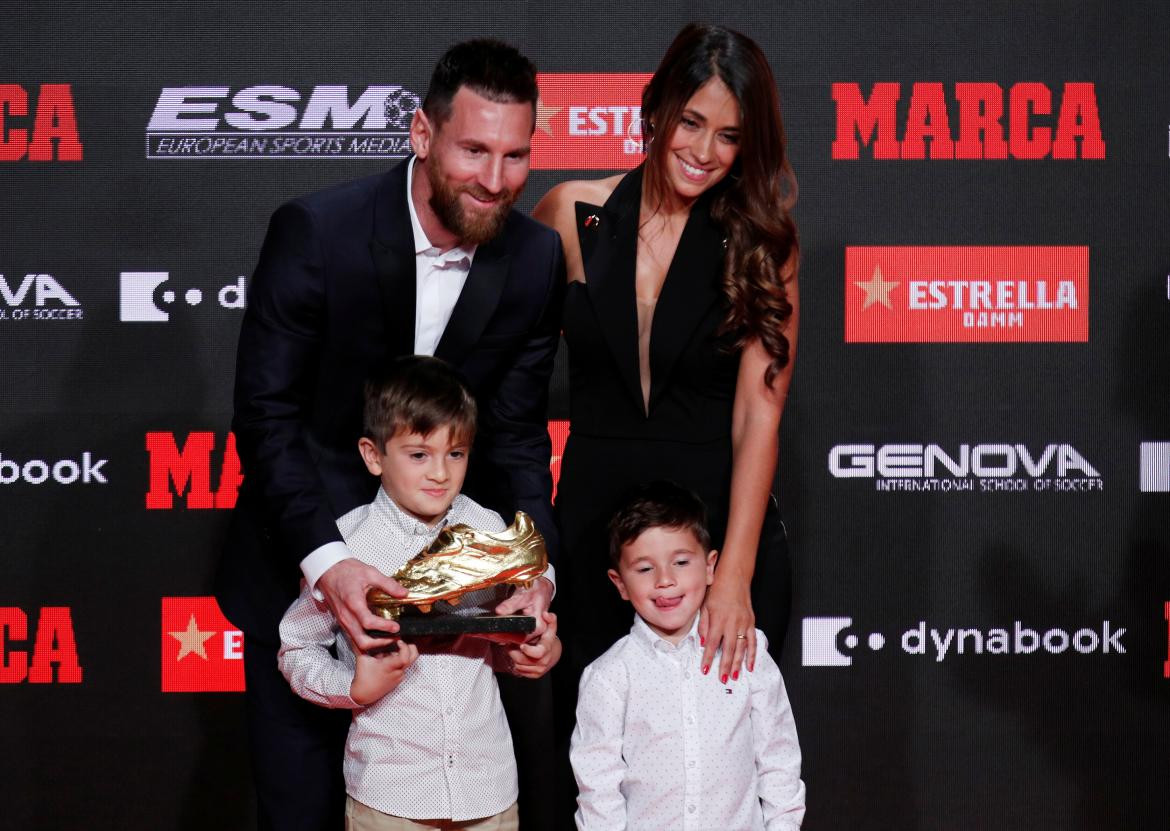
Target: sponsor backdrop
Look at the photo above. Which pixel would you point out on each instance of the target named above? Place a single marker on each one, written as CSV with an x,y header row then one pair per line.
x,y
975,467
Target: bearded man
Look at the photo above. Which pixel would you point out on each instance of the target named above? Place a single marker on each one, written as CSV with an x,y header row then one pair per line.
x,y
427,258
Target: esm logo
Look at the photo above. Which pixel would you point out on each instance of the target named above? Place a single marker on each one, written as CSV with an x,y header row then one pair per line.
x,y
980,121
272,121
41,127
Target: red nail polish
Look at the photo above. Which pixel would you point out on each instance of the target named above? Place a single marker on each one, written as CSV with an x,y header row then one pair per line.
x,y
723,679
735,675
751,667
702,641
705,670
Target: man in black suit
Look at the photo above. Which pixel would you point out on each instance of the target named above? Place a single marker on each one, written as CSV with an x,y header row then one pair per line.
x,y
427,258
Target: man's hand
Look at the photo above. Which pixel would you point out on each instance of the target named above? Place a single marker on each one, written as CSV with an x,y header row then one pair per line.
x,y
533,602
377,673
534,658
344,586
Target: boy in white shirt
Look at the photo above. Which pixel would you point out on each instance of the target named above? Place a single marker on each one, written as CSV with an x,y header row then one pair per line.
x,y
429,743
659,743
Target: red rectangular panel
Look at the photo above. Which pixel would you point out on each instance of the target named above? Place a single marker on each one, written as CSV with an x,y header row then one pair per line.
x,y
588,121
201,650
974,294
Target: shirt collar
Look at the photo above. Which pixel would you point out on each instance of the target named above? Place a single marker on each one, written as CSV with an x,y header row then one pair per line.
x,y
652,639
391,513
423,245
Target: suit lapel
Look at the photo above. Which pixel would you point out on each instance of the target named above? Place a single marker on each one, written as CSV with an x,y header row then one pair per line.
x,y
477,302
609,274
392,248
691,287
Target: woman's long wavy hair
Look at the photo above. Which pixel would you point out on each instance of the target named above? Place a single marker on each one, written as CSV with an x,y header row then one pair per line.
x,y
753,204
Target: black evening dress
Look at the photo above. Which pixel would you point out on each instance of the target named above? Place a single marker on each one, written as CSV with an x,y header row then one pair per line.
x,y
616,442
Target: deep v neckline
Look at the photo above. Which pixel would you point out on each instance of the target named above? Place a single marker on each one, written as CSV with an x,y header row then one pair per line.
x,y
608,235
646,348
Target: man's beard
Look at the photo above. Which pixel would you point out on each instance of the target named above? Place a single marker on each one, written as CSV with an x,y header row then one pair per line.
x,y
472,227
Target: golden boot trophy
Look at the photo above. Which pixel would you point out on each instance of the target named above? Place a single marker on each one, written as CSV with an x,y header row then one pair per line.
x,y
462,560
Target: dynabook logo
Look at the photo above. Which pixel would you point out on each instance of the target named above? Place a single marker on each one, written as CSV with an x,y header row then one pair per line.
x,y
992,123
986,468
831,641
37,297
52,657
201,650
143,298
38,127
588,122
86,470
270,121
908,294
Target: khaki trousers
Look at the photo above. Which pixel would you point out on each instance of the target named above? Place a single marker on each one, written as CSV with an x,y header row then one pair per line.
x,y
359,817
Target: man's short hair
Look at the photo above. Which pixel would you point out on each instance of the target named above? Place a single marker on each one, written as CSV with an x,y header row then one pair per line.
x,y
489,68
418,394
660,504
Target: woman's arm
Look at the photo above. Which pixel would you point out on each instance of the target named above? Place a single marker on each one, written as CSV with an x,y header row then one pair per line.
x,y
755,441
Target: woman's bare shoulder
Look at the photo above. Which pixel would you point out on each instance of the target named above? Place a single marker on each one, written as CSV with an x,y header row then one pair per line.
x,y
558,210
557,206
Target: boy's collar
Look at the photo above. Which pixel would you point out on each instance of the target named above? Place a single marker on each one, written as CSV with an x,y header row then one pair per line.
x,y
652,639
407,523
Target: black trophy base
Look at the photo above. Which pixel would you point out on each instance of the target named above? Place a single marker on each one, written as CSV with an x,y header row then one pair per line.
x,y
411,626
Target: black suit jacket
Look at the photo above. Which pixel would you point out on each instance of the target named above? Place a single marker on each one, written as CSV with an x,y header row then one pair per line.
x,y
332,298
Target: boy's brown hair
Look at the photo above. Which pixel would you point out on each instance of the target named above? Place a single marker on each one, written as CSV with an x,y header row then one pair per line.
x,y
660,504
418,394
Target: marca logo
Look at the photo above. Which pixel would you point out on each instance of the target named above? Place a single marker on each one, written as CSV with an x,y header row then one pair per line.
x,y
43,131
268,121
589,122
37,297
201,650
1155,467
979,467
991,123
188,471
143,300
829,641
53,657
908,294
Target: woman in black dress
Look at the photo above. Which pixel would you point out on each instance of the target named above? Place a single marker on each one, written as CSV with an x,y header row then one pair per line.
x,y
680,319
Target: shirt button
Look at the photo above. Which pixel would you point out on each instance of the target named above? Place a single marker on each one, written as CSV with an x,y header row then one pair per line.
x,y
690,809
450,710
691,763
690,719
687,675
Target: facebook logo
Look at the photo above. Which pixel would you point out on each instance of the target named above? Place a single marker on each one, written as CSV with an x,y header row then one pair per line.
x,y
1155,467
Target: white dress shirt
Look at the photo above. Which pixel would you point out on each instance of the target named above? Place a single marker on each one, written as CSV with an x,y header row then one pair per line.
x,y
660,745
438,745
439,278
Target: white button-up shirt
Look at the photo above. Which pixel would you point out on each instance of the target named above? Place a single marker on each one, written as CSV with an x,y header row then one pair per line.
x,y
439,279
438,745
660,745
